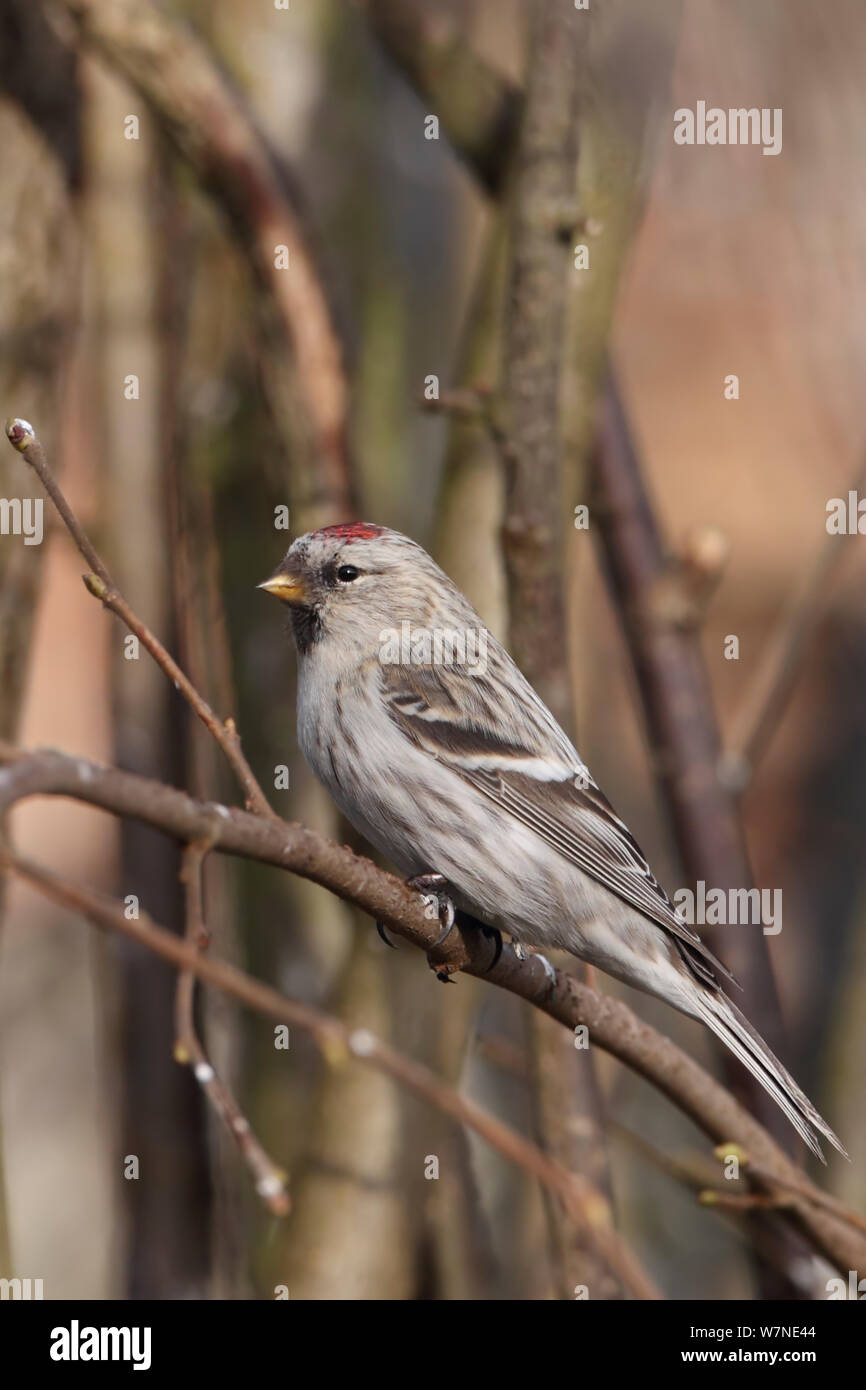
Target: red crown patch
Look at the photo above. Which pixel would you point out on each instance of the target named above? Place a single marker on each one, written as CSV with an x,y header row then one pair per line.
x,y
352,531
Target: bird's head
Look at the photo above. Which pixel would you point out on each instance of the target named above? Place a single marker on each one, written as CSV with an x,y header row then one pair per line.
x,y
354,581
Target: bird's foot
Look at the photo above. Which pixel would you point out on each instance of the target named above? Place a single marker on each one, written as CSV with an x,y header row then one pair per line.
x,y
380,928
437,902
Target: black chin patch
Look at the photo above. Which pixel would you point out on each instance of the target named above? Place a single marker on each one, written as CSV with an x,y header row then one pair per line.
x,y
306,626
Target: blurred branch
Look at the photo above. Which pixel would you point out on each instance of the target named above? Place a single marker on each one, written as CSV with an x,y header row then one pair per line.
x,y
610,1023
270,1181
22,437
678,707
542,215
339,1043
40,73
478,107
780,662
195,104
351,1235
800,1187
694,1171
683,735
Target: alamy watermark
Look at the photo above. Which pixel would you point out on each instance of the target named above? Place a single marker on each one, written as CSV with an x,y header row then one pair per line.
x,y
437,646
22,516
77,1343
734,907
21,1289
736,125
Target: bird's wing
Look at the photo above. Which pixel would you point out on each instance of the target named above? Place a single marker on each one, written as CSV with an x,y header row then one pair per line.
x,y
525,765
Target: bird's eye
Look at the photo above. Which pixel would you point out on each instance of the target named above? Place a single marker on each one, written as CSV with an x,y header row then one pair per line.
x,y
346,573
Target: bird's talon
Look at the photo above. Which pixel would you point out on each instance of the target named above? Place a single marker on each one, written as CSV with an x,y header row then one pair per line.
x,y
448,913
384,935
437,903
519,951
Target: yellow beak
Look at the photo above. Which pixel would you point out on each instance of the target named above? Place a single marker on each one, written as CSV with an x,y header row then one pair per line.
x,y
285,588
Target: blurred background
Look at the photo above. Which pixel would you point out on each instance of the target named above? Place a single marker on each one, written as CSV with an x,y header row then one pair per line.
x,y
123,254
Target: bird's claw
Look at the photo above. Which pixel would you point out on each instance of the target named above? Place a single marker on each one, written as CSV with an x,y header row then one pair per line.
x,y
445,912
380,928
437,903
497,944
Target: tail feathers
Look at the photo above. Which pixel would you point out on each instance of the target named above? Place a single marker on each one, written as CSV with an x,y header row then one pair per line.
x,y
735,1031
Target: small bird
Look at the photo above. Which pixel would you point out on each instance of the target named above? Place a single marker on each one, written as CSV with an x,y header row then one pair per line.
x,y
437,749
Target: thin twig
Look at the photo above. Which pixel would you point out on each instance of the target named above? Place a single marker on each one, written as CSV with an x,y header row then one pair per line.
x,y
791,1183
23,437
270,1180
743,1202
584,1204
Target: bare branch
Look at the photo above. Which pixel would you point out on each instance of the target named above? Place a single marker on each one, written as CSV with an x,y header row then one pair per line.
x,y
23,437
582,1202
800,1187
611,1024
270,1180
543,214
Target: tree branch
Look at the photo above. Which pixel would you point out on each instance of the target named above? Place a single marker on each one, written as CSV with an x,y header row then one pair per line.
x,y
338,1042
566,1096
611,1024
543,214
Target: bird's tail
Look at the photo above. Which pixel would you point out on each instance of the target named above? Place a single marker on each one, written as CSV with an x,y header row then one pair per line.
x,y
735,1031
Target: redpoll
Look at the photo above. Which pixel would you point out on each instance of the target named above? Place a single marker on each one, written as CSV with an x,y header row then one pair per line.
x,y
441,754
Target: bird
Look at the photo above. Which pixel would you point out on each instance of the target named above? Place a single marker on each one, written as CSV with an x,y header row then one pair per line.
x,y
442,756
